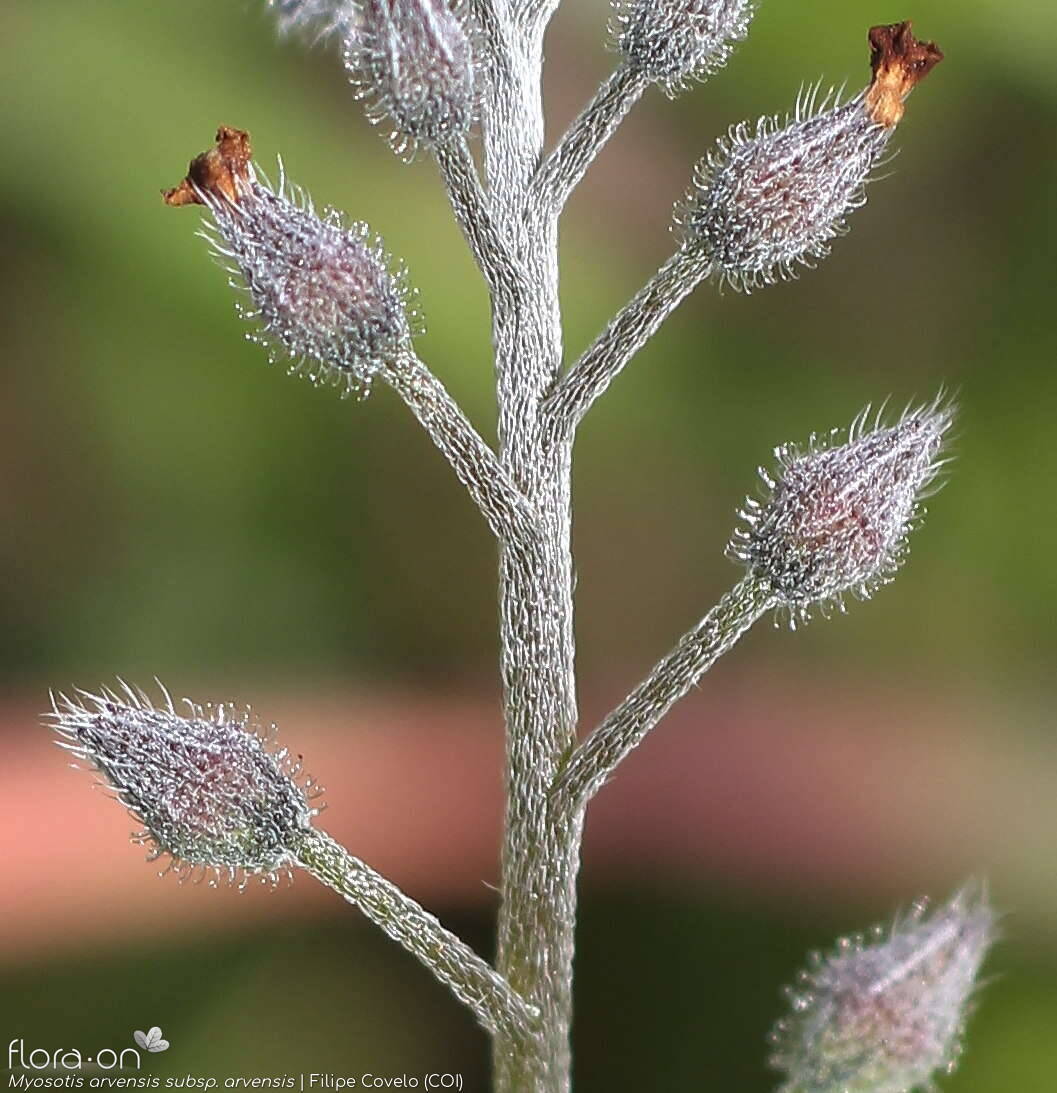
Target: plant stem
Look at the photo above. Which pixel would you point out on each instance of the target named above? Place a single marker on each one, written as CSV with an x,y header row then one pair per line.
x,y
491,487
537,914
471,979
470,206
671,679
626,334
587,135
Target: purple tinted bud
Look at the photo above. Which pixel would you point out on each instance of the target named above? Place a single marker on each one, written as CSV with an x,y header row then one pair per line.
x,y
885,1014
324,294
673,41
768,199
206,786
836,516
415,60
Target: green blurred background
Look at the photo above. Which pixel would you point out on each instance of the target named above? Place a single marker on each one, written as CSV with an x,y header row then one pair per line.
x,y
172,506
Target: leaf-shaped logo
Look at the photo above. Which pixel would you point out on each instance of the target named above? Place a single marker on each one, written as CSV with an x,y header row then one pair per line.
x,y
151,1040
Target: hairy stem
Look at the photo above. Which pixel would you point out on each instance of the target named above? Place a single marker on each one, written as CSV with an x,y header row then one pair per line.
x,y
493,21
470,205
595,759
537,914
586,137
535,14
472,980
626,334
503,505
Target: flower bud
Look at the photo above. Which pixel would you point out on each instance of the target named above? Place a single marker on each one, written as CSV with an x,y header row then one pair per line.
x,y
415,60
673,41
769,199
208,790
884,1016
836,517
324,295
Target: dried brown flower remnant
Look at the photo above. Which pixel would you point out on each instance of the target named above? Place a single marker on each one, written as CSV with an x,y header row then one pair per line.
x,y
769,199
222,171
325,295
899,62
